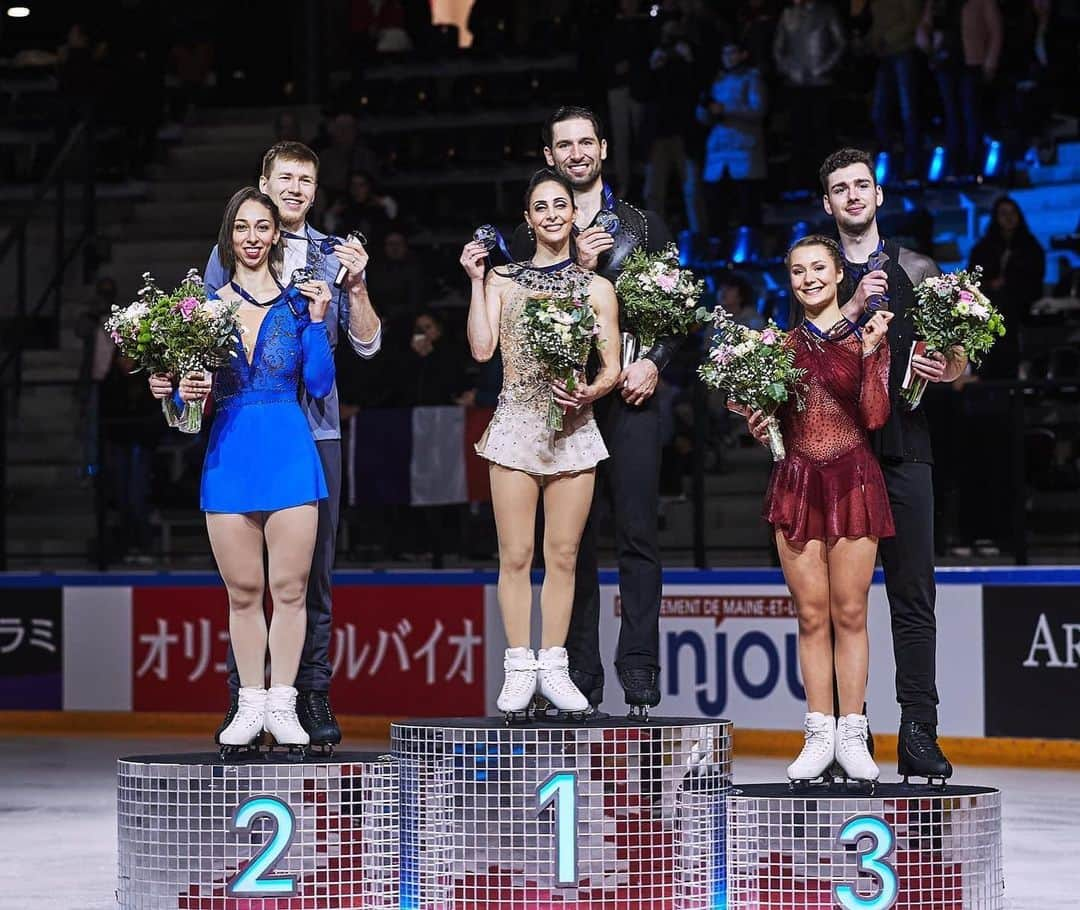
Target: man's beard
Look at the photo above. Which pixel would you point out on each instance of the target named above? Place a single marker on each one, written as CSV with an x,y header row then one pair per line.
x,y
580,183
860,226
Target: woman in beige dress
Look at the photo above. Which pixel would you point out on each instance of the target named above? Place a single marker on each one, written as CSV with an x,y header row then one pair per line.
x,y
527,458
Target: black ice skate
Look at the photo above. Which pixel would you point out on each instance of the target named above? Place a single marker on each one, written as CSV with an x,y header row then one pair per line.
x,y
641,690
317,718
919,755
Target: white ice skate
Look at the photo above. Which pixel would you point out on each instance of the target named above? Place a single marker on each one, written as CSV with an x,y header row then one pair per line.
x,y
852,753
555,685
247,723
818,750
519,684
281,720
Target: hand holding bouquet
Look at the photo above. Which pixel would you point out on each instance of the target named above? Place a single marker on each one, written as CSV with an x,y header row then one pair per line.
x,y
560,331
176,333
755,368
658,296
952,313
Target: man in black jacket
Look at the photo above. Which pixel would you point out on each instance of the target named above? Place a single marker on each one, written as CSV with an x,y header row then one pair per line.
x,y
629,421
852,197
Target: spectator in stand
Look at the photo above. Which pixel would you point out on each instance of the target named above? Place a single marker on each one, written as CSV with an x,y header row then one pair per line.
x,y
891,39
736,297
131,427
398,278
191,73
363,210
379,26
1013,265
671,110
807,48
432,372
756,25
625,50
963,39
735,165
335,148
1024,103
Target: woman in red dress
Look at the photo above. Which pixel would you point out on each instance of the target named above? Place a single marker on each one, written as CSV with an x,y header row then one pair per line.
x,y
828,505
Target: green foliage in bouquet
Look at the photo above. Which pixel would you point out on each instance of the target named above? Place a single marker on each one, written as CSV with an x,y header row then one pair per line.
x,y
755,368
658,296
175,332
954,312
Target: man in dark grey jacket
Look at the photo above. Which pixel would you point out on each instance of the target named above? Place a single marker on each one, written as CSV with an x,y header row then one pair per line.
x,y
807,47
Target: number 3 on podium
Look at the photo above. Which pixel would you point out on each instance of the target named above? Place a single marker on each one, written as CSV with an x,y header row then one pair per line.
x,y
561,789
872,862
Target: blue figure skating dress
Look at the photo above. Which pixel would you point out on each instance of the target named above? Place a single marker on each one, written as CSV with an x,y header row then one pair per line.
x,y
261,455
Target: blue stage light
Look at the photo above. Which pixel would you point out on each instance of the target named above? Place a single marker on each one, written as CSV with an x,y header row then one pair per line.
x,y
881,168
937,164
741,251
799,230
993,159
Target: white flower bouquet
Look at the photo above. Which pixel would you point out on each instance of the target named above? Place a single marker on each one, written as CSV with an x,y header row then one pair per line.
x,y
177,332
952,312
561,332
755,368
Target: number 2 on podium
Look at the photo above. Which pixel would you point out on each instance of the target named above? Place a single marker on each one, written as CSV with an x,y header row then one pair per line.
x,y
882,842
255,880
561,788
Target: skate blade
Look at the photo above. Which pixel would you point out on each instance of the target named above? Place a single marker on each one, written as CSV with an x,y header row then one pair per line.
x,y
321,750
807,785
927,782
853,785
639,713
517,718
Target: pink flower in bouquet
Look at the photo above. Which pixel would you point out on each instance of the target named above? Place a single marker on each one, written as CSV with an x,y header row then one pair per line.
x,y
967,296
668,281
768,336
115,336
187,306
723,353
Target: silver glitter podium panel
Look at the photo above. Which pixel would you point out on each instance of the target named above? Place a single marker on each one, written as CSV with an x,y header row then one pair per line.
x,y
906,847
609,814
197,833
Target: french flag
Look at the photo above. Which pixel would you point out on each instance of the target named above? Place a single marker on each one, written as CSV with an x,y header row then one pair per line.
x,y
417,456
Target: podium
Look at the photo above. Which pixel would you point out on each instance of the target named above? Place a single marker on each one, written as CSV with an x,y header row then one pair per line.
x,y
197,833
609,814
904,846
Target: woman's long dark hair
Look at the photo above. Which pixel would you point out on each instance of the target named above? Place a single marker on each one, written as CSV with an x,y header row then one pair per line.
x,y
225,234
993,229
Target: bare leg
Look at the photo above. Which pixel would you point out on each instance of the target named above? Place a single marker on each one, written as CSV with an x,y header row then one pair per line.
x,y
514,495
290,541
567,501
851,569
237,542
806,571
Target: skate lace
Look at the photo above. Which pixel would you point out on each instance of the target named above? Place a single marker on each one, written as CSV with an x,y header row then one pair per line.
x,y
558,680
921,741
816,740
853,735
246,716
317,706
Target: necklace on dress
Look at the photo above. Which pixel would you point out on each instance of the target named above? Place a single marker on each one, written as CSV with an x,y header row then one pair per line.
x,y
561,279
246,296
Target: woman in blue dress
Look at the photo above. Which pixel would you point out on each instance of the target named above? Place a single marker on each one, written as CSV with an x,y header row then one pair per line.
x,y
262,477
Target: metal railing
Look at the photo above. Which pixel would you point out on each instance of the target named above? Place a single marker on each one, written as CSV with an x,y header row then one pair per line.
x,y
74,164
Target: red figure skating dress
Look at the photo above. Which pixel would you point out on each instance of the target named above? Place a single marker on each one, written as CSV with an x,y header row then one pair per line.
x,y
830,484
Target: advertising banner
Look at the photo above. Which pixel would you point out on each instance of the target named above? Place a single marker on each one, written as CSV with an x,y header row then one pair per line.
x,y
402,650
31,649
1031,648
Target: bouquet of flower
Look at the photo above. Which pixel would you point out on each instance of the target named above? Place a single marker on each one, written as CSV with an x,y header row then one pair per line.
x,y
176,333
560,331
658,296
755,368
952,313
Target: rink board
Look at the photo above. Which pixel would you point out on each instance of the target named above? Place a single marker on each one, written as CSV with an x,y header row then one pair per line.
x,y
426,644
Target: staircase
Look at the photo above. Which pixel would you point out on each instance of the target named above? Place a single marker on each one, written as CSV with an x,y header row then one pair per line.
x,y
172,227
